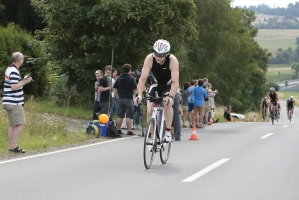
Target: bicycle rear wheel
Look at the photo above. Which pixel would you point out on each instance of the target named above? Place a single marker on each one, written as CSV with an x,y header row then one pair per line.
x,y
290,116
149,144
165,148
272,115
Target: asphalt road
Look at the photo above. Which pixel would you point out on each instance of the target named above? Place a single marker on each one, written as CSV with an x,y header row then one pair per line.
x,y
234,160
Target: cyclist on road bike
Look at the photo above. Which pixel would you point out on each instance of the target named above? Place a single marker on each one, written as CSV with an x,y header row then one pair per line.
x,y
290,105
165,70
273,99
264,106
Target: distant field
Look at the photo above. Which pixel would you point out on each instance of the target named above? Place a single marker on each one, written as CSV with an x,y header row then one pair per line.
x,y
277,34
273,39
273,44
277,73
271,66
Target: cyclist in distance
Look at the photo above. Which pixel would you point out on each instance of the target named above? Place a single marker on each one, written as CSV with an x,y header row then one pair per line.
x,y
273,99
290,105
264,105
165,70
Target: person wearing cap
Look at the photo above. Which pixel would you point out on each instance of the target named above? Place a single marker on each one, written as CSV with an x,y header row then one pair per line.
x,y
165,70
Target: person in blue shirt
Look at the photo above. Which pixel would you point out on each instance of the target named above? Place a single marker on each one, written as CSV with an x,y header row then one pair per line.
x,y
190,100
199,94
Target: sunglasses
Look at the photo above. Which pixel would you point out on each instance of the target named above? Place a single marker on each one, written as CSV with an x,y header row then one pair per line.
x,y
160,55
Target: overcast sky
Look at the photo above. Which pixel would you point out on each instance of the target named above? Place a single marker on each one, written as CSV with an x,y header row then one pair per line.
x,y
271,3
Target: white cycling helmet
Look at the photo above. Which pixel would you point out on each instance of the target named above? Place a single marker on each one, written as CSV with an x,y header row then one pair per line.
x,y
272,89
161,46
291,97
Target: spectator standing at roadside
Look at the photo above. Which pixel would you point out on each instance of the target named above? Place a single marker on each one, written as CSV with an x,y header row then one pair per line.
x,y
105,88
212,95
185,103
190,100
176,121
199,103
13,101
124,88
97,107
207,102
113,100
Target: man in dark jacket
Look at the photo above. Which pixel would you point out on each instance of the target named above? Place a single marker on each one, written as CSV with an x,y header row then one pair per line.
x,y
123,90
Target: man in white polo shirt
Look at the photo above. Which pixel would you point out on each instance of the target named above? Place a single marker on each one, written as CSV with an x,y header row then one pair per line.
x,y
13,101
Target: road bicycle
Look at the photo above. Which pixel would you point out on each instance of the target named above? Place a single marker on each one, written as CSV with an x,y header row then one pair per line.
x,y
273,113
155,132
290,114
264,112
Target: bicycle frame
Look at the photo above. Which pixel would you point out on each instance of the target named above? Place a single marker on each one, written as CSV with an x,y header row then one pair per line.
x,y
158,116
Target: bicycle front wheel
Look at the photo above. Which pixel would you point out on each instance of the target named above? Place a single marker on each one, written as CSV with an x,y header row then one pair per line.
x,y
149,144
165,148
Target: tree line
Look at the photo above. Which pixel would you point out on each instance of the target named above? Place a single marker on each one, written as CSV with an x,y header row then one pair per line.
x,y
209,38
290,10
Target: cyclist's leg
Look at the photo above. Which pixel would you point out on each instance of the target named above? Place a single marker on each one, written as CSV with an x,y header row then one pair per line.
x,y
269,105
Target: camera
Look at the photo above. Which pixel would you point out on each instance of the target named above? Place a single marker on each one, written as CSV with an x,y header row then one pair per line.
x,y
28,76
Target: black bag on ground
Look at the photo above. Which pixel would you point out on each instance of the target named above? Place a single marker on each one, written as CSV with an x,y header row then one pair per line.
x,y
112,130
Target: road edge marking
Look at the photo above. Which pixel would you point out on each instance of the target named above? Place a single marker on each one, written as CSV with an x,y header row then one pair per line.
x,y
64,150
205,170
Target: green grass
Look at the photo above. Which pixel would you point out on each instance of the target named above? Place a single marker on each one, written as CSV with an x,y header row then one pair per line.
x,y
286,95
42,131
272,39
273,44
48,106
275,76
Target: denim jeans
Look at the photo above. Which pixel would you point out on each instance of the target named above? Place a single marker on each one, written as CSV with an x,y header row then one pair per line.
x,y
113,102
96,109
138,109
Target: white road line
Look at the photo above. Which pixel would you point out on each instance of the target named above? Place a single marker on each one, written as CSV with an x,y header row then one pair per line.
x,y
64,150
206,170
267,135
285,126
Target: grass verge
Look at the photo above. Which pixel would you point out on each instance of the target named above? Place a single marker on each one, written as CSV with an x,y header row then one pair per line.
x,y
42,132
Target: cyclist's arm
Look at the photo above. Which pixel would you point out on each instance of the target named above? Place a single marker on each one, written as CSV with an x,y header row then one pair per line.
x,y
174,67
147,65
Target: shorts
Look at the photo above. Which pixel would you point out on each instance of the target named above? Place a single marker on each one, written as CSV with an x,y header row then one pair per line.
x,y
125,108
290,107
207,106
162,88
184,108
106,108
200,110
190,107
15,114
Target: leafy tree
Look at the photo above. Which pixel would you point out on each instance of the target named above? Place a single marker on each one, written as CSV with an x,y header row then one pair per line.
x,y
12,39
21,13
80,34
227,54
295,69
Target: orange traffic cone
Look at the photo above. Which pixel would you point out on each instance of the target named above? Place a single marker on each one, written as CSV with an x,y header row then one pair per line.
x,y
240,119
231,119
247,120
193,134
211,121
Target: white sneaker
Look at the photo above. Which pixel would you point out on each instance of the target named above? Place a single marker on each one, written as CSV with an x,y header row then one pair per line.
x,y
138,128
167,137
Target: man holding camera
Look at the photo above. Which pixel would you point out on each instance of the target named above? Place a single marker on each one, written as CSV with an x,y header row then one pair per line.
x,y
13,101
